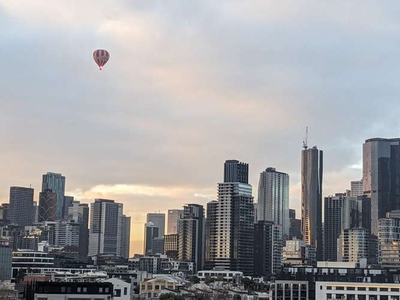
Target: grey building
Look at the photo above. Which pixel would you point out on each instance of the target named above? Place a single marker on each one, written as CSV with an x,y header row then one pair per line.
x,y
125,236
356,188
191,235
311,198
21,209
55,182
295,225
211,232
105,227
267,248
231,247
173,217
158,219
66,233
171,245
273,198
332,225
236,171
5,259
4,212
381,177
66,205
47,206
79,212
150,233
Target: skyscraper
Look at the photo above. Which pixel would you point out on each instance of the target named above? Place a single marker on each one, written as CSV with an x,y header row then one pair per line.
x,y
105,227
273,198
356,188
236,171
173,217
211,233
381,177
151,232
158,220
267,248
21,209
332,225
311,198
124,235
55,182
295,225
47,206
79,212
66,205
232,234
191,235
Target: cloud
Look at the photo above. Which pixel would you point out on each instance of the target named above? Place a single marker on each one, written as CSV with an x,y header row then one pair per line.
x,y
189,85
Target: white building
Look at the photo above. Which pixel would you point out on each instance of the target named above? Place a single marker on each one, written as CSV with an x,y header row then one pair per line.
x,y
353,245
356,290
356,188
273,198
74,290
297,252
122,289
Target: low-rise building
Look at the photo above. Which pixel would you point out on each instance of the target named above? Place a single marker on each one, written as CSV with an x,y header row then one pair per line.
x,y
122,289
220,275
151,288
73,290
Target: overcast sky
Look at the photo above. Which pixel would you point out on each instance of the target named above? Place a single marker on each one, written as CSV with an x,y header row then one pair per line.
x,y
190,84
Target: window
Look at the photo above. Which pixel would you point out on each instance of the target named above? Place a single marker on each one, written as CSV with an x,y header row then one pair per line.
x,y
125,291
100,289
78,289
63,289
117,293
84,289
107,290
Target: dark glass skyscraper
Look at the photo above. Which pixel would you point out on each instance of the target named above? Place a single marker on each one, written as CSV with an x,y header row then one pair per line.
x,y
311,198
332,225
236,171
79,212
21,209
381,177
55,182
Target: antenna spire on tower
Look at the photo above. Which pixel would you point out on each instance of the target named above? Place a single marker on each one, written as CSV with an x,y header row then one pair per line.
x,y
305,141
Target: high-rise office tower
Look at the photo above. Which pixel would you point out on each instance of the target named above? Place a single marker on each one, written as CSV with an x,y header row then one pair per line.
x,y
47,206
295,225
191,235
5,260
231,247
66,205
332,225
55,182
158,220
353,245
173,217
79,212
151,232
356,188
273,198
236,171
267,248
66,233
124,236
171,246
211,232
105,227
21,209
311,198
356,212
4,212
381,177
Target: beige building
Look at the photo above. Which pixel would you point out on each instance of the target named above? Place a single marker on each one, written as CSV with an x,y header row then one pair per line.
x,y
151,288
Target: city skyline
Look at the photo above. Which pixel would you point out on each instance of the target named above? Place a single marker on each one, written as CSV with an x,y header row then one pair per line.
x,y
141,131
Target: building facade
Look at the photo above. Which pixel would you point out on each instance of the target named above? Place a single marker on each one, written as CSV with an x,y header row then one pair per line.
x,y
47,206
173,217
273,199
21,209
191,235
158,220
236,171
150,233
56,183
332,225
79,213
105,227
311,198
356,188
5,259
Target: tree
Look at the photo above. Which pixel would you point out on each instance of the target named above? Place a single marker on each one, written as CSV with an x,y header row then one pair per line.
x,y
171,296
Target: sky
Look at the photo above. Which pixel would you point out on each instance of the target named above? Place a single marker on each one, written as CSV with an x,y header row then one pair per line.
x,y
188,85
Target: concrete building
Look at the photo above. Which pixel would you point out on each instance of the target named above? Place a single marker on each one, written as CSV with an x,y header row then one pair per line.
x,y
47,206
173,217
236,171
381,177
273,198
68,200
232,237
56,183
191,235
297,252
295,225
106,233
150,233
211,231
74,290
353,245
151,288
171,245
66,233
267,248
356,188
389,240
122,289
158,219
21,209
311,198
5,259
79,213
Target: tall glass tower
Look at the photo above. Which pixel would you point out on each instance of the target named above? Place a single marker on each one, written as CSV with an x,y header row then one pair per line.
x,y
56,183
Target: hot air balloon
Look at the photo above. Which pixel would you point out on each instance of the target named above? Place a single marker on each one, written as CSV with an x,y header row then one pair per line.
x,y
101,57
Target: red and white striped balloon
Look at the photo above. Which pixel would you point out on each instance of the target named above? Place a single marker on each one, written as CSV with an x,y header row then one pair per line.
x,y
101,57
